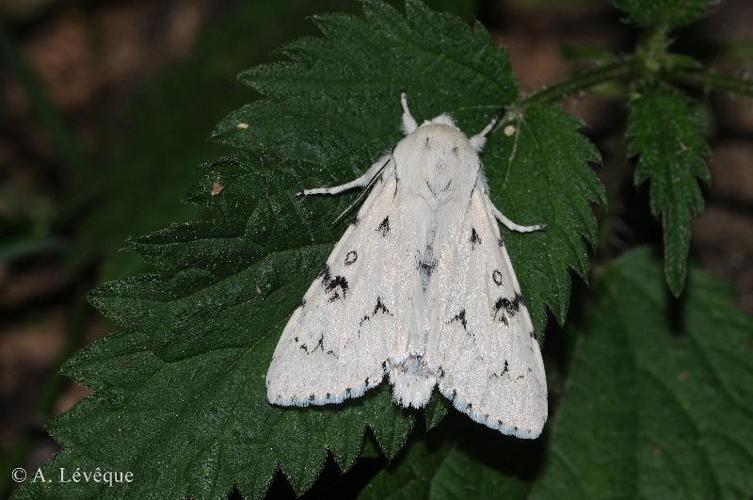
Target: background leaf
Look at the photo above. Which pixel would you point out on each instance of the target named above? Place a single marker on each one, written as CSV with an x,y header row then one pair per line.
x,y
541,174
666,135
658,402
474,463
670,13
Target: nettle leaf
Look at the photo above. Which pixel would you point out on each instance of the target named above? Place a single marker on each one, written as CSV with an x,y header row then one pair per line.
x,y
543,176
180,398
668,138
448,470
659,402
670,13
157,143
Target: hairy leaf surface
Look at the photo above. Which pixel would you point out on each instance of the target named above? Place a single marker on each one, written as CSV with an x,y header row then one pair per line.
x,y
659,402
467,468
668,139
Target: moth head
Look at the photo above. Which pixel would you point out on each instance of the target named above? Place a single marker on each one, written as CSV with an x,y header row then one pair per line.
x,y
443,119
438,138
477,141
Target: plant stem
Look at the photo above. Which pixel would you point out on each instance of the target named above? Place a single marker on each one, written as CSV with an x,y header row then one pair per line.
x,y
714,80
582,81
652,52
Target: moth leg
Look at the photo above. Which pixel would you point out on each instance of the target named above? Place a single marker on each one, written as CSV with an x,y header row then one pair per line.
x,y
479,140
409,123
513,226
362,181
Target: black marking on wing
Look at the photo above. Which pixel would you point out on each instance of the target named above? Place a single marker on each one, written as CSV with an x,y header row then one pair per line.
x,y
475,240
384,227
497,277
426,267
504,308
499,313
461,318
337,288
427,263
319,345
351,257
505,369
380,307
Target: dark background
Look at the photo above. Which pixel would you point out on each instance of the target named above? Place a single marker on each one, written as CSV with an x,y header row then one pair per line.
x,y
105,107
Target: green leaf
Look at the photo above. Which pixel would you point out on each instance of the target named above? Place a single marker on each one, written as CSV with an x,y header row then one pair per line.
x,y
180,398
436,410
659,402
444,471
541,174
670,13
668,138
154,147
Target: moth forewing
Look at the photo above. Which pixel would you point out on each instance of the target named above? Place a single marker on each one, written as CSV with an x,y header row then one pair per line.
x,y
420,289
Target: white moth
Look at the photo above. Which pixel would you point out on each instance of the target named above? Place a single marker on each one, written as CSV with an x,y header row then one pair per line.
x,y
420,289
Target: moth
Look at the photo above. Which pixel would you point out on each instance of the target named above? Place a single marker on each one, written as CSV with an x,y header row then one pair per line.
x,y
420,289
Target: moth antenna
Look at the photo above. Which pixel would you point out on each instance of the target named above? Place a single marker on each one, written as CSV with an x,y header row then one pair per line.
x,y
479,140
409,123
